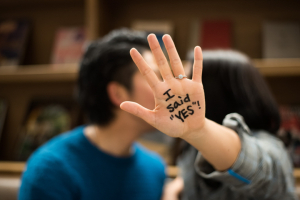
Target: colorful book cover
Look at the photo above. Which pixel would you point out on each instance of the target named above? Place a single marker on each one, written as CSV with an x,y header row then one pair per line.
x,y
44,120
216,34
13,39
69,45
289,131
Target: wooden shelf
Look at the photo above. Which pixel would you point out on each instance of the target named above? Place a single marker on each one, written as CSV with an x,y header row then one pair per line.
x,y
12,167
278,67
39,73
68,72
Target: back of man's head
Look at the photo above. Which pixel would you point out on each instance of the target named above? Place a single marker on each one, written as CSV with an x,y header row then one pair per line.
x,y
107,60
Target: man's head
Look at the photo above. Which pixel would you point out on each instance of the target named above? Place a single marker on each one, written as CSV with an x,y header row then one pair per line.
x,y
108,76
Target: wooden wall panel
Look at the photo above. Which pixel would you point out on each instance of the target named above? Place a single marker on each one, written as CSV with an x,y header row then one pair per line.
x,y
247,17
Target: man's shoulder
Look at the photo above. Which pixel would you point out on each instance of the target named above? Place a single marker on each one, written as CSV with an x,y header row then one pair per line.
x,y
46,171
56,147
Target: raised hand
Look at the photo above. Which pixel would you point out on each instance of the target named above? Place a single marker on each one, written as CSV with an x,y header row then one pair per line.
x,y
179,103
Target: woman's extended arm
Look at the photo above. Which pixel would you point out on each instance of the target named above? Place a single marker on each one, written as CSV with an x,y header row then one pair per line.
x,y
180,106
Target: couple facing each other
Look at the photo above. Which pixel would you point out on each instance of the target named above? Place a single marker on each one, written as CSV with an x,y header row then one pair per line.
x,y
101,159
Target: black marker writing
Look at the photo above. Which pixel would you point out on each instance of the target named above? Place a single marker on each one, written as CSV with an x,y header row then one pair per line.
x,y
187,98
176,104
199,104
171,109
179,116
169,96
191,110
184,113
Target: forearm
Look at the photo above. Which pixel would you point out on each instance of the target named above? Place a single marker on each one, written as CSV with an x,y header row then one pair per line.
x,y
262,168
219,145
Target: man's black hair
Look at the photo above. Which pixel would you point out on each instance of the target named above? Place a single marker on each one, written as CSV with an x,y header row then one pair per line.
x,y
107,60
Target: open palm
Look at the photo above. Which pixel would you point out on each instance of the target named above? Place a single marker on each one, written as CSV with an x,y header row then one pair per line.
x,y
179,103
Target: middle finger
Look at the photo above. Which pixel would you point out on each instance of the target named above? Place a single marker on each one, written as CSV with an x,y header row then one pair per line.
x,y
160,58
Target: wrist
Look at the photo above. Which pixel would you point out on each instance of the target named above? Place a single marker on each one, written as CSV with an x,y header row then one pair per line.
x,y
197,133
218,144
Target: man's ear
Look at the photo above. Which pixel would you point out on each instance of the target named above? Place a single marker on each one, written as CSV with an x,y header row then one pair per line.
x,y
117,93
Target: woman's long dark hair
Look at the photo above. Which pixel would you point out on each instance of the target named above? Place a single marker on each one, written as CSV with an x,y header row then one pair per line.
x,y
232,84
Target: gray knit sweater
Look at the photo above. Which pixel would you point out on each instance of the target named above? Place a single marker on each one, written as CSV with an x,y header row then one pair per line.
x,y
262,170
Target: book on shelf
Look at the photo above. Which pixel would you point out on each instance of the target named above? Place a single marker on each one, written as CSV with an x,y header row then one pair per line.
x,y
44,120
281,39
289,131
216,34
13,40
159,28
3,113
69,44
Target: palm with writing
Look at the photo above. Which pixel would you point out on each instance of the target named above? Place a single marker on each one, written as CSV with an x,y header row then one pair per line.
x,y
179,103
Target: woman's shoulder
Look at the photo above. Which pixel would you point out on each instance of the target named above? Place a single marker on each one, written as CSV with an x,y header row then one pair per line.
x,y
268,140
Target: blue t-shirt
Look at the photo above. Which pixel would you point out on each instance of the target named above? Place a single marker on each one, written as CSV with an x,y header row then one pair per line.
x,y
70,167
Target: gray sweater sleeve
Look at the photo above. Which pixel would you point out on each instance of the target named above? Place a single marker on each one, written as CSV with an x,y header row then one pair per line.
x,y
262,169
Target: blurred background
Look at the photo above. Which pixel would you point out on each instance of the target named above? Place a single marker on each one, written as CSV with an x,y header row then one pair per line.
x,y
42,41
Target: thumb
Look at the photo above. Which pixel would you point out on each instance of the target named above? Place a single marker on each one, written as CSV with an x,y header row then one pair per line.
x,y
139,111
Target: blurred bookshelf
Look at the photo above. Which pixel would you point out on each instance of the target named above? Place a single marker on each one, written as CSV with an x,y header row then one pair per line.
x,y
36,77
278,67
18,168
69,72
40,73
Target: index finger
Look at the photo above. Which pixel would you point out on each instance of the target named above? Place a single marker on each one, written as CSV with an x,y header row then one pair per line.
x,y
144,68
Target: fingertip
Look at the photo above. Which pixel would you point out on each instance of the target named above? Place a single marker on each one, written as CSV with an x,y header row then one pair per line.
x,y
123,105
166,36
151,35
132,50
198,53
168,41
198,47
